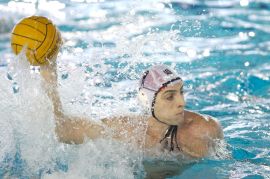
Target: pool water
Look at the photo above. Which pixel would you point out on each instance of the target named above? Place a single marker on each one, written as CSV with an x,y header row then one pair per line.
x,y
220,48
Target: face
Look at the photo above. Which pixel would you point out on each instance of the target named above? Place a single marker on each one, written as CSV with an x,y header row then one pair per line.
x,y
170,103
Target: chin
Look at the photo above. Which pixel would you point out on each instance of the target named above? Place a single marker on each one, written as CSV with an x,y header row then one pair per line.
x,y
180,120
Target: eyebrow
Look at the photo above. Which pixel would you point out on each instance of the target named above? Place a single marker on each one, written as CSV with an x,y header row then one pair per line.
x,y
170,91
173,91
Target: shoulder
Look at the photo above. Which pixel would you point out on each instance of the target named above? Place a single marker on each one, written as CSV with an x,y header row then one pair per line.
x,y
202,125
197,134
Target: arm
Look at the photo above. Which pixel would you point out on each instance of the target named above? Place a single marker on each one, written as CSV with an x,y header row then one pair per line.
x,y
198,137
204,139
68,129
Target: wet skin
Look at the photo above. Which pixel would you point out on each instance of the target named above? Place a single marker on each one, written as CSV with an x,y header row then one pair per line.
x,y
194,136
170,103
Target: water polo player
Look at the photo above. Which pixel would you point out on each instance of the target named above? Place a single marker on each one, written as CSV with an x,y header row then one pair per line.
x,y
168,127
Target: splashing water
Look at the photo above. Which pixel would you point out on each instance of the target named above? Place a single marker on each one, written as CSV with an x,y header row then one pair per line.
x,y
220,48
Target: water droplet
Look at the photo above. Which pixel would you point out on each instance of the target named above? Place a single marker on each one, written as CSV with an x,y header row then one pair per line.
x,y
182,49
232,97
246,64
191,53
97,80
15,88
206,53
251,34
9,76
64,76
132,12
244,3
243,35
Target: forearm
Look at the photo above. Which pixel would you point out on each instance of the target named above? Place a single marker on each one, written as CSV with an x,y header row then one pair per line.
x,y
49,83
69,129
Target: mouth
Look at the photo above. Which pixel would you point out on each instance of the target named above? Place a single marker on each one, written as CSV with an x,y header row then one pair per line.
x,y
180,113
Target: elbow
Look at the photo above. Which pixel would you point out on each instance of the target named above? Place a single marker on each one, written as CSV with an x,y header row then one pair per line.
x,y
68,136
64,140
76,131
69,141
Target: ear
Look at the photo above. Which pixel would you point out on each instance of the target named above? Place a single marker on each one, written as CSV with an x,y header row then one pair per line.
x,y
143,98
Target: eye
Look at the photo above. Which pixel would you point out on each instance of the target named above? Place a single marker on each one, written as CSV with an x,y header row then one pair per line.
x,y
169,98
181,91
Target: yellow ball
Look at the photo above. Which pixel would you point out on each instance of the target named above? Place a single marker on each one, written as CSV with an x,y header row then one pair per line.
x,y
38,36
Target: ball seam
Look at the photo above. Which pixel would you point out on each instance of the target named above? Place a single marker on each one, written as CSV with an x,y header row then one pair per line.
x,y
51,42
25,37
32,27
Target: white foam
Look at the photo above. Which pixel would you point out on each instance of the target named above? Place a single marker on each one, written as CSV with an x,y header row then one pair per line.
x,y
31,125
7,141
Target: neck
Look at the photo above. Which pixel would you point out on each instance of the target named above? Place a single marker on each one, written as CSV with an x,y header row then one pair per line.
x,y
155,128
164,134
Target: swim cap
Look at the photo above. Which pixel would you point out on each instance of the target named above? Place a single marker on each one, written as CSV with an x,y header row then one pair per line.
x,y
153,81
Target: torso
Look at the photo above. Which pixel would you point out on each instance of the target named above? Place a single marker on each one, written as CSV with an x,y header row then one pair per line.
x,y
147,133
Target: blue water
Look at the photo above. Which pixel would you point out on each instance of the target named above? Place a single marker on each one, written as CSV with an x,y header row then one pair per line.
x,y
220,48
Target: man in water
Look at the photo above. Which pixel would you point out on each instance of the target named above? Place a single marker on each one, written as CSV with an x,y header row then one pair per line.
x,y
169,128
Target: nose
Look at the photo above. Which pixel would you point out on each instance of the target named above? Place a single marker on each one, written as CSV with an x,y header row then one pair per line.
x,y
180,101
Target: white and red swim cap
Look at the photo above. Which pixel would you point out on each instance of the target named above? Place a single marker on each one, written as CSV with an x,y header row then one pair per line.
x,y
153,81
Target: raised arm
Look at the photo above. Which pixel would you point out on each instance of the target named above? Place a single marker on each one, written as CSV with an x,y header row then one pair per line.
x,y
69,129
49,83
